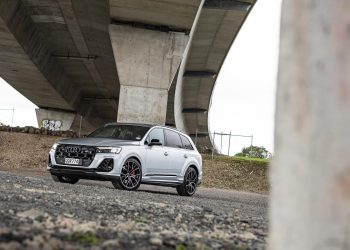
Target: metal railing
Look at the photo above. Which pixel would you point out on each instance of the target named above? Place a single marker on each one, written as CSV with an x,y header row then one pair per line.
x,y
13,114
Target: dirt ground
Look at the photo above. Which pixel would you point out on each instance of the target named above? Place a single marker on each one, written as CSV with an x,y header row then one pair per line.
x,y
28,153
24,151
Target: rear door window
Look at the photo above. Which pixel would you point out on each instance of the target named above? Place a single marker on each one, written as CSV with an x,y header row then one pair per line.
x,y
186,143
173,139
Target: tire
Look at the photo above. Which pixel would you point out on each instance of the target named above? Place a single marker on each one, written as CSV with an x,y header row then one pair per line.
x,y
64,179
189,186
130,176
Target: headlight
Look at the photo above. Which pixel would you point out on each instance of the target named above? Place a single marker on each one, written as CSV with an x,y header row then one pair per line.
x,y
113,150
54,146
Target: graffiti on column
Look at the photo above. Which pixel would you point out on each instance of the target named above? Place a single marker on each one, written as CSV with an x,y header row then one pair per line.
x,y
51,125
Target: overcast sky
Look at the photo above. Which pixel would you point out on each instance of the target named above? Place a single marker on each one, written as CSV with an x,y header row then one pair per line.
x,y
244,96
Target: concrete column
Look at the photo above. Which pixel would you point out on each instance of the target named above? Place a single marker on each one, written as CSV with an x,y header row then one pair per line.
x,y
54,119
310,176
147,61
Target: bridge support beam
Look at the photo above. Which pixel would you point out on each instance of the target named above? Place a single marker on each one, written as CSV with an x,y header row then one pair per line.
x,y
310,176
147,61
56,120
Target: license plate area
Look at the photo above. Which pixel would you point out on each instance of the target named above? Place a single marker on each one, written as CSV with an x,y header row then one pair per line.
x,y
72,161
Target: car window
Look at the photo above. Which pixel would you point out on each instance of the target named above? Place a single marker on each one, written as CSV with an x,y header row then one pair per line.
x,y
121,132
156,133
173,139
186,143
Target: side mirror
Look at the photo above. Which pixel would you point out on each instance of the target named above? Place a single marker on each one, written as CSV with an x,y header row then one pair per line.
x,y
155,142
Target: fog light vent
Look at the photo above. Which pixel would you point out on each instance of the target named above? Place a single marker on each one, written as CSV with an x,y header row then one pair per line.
x,y
106,165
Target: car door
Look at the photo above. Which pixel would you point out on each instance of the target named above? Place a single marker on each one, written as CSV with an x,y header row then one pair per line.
x,y
156,158
176,155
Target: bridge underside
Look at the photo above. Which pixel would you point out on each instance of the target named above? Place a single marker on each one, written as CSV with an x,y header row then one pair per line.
x,y
83,59
218,25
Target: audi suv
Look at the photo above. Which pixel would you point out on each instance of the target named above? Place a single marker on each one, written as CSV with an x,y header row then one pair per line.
x,y
128,155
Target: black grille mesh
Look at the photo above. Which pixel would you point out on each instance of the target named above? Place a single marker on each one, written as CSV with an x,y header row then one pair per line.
x,y
85,153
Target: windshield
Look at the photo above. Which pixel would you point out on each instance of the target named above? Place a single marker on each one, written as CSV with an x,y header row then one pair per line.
x,y
121,132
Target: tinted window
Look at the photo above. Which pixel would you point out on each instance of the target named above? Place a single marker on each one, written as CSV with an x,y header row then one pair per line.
x,y
156,133
121,132
186,143
173,139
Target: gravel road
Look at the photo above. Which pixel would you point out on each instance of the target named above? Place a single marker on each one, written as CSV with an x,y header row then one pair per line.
x,y
37,213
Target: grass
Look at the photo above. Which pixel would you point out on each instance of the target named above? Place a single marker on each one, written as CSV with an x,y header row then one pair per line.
x,y
84,238
238,173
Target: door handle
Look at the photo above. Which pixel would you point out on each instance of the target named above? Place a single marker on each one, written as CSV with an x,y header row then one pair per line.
x,y
166,153
185,155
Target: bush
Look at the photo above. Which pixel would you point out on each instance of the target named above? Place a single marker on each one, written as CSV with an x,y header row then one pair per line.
x,y
254,152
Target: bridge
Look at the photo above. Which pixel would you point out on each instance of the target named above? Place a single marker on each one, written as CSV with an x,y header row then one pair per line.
x,y
85,63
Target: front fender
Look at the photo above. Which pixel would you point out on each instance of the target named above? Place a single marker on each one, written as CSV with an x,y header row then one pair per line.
x,y
133,154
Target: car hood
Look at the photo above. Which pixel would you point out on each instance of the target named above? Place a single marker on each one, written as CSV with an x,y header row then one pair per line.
x,y
98,142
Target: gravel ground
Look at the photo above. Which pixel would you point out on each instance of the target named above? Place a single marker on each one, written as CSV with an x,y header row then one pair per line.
x,y
37,213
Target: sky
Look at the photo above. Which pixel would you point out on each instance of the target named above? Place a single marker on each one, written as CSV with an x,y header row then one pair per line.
x,y
243,101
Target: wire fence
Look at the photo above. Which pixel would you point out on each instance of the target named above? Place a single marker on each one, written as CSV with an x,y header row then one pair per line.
x,y
221,143
2,120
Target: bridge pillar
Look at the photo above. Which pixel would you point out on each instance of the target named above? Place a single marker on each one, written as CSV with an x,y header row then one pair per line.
x,y
147,61
56,120
310,175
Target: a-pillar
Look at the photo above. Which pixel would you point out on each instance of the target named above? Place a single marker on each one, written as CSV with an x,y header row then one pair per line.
x,y
53,119
147,61
310,175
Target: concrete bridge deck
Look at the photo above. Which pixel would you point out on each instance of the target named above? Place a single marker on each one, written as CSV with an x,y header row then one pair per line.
x,y
64,57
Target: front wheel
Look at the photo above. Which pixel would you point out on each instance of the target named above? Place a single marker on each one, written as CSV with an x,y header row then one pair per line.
x,y
189,186
130,176
64,179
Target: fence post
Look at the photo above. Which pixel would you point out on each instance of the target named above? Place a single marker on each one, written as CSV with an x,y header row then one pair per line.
x,y
229,145
251,146
221,143
13,115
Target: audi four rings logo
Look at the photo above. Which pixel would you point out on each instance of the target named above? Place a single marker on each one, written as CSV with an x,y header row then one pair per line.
x,y
72,149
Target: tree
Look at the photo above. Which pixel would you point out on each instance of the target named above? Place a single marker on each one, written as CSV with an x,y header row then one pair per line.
x,y
254,152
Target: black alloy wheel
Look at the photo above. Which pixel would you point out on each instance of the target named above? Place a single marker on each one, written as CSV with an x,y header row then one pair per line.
x,y
130,175
64,179
189,186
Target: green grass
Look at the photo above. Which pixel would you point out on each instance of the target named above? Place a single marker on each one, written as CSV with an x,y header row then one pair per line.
x,y
84,238
235,158
249,159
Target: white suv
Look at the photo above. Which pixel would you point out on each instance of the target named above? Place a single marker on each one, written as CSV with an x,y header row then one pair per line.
x,y
128,155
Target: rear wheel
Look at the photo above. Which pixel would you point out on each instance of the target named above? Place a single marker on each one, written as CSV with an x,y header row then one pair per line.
x,y
130,175
64,179
189,186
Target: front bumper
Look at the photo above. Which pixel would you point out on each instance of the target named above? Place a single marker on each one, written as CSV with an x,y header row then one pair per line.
x,y
55,167
81,173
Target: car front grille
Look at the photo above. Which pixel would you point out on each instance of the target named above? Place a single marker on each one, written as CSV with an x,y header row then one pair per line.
x,y
85,154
